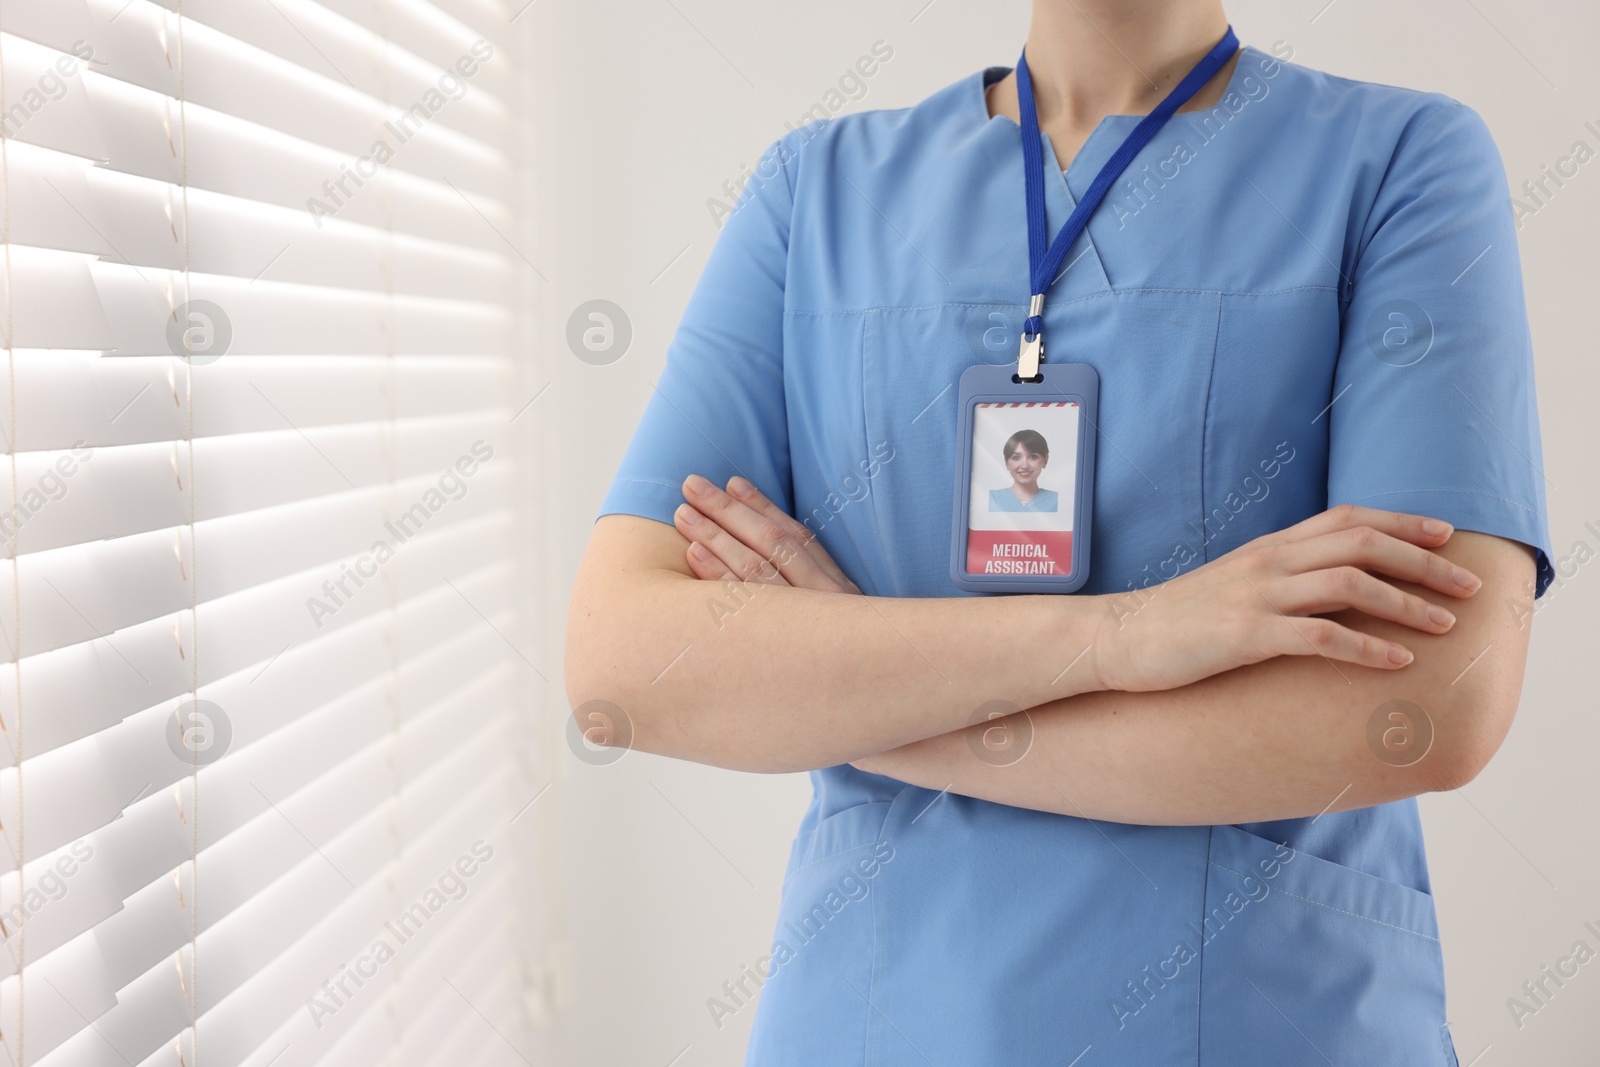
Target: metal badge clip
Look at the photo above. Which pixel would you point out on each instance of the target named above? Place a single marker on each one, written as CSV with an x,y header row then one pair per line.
x,y
1032,350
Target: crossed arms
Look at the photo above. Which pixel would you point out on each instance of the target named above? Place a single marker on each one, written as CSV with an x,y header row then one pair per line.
x,y
773,674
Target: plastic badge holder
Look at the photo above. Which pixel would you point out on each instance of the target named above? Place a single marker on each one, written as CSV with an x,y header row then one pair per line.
x,y
998,543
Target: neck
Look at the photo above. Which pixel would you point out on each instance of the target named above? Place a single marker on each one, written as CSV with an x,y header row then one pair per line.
x,y
1090,58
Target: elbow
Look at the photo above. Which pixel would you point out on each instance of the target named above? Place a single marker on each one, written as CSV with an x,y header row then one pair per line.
x,y
1433,742
616,708
1457,770
604,687
1469,738
621,697
625,685
601,719
598,727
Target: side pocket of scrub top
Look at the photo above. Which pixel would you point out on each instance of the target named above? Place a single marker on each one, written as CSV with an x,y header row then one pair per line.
x,y
818,970
1306,961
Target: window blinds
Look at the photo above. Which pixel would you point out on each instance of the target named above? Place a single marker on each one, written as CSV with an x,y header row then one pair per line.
x,y
266,752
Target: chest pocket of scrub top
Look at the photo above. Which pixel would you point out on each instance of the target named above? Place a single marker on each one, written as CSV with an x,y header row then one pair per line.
x,y
1302,956
1153,351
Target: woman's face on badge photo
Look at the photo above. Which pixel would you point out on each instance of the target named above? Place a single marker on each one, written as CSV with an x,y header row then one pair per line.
x,y
1025,465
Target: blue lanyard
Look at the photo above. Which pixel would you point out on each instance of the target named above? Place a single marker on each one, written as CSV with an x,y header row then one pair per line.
x,y
1042,263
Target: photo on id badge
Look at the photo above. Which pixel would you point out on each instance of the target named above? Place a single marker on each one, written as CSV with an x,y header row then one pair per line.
x,y
1023,494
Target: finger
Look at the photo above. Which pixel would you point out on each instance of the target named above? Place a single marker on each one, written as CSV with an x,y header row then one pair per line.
x,y
1331,640
1371,549
1337,588
704,564
758,533
743,563
1418,529
758,501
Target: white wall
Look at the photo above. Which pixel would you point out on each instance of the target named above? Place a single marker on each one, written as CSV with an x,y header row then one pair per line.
x,y
649,106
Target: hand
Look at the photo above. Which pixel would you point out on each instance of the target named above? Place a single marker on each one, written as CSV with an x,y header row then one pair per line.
x,y
745,536
1261,599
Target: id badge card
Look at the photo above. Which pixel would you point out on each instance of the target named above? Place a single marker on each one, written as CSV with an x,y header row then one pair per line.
x,y
1024,486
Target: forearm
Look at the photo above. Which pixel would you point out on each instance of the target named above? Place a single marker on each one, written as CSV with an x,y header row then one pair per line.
x,y
775,678
1273,740
1288,737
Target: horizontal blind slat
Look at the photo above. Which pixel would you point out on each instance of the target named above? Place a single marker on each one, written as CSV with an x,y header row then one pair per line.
x,y
50,195
47,99
73,397
267,318
143,132
153,655
318,39
328,471
57,25
426,131
54,301
247,240
332,576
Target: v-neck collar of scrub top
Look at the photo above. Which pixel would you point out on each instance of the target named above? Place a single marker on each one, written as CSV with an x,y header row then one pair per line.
x,y
1103,140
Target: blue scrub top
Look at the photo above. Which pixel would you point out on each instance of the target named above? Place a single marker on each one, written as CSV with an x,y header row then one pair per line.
x,y
1006,500
1306,295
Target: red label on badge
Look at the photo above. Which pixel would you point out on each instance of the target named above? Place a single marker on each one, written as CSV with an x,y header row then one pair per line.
x,y
1019,552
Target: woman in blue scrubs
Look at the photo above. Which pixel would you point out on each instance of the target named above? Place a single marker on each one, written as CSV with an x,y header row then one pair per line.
x,y
1302,293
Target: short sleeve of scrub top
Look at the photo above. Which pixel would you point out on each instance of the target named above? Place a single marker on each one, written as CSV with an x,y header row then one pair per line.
x,y
718,409
1434,408
1306,294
